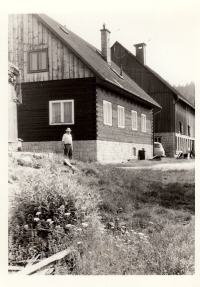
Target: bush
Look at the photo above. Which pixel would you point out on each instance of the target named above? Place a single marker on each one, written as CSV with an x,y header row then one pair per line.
x,y
48,213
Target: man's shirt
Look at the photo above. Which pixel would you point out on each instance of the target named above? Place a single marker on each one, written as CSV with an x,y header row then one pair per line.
x,y
67,138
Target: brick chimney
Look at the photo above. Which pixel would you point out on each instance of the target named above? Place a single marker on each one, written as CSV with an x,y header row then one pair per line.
x,y
105,44
141,52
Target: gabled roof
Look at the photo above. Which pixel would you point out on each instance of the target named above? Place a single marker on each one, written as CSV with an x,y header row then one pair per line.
x,y
93,59
176,92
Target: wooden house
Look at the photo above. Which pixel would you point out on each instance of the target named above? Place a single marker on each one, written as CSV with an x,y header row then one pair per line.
x,y
66,82
175,123
14,98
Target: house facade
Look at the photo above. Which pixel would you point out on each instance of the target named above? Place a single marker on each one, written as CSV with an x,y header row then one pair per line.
x,y
66,82
174,125
14,98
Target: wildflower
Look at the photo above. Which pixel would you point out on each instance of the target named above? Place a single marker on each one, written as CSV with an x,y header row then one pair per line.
x,y
26,227
38,213
36,219
78,243
151,222
67,214
49,220
141,234
79,229
85,224
68,225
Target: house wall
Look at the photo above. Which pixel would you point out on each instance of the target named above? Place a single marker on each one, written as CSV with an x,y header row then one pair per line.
x,y
33,114
185,115
113,140
164,121
27,33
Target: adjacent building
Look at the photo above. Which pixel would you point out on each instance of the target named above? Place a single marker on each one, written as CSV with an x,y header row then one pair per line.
x,y
174,125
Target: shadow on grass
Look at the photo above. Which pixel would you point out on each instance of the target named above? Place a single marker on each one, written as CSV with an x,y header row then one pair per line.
x,y
173,195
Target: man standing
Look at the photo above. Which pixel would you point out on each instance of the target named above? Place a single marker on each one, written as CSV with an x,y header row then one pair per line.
x,y
68,145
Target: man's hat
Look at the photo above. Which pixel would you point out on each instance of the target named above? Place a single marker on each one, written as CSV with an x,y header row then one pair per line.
x,y
68,130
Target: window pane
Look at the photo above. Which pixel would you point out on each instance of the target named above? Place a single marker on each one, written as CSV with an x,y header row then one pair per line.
x,y
143,123
107,113
56,113
68,112
33,61
120,116
43,60
134,120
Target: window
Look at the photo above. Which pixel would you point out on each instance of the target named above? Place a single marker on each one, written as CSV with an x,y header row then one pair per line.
x,y
143,123
134,151
157,139
180,127
107,113
121,118
188,130
38,61
61,112
134,120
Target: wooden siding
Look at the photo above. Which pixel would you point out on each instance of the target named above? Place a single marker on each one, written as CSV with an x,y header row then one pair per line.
x,y
114,133
186,116
26,33
165,120
33,114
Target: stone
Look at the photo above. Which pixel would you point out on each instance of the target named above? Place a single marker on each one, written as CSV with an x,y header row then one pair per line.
x,y
25,161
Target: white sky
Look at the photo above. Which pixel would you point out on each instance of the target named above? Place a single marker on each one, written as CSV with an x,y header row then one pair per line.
x,y
167,27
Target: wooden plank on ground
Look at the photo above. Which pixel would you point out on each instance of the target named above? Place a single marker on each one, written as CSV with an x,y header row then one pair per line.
x,y
34,268
15,268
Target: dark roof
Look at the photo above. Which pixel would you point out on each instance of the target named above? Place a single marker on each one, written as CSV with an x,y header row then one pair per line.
x,y
180,96
91,56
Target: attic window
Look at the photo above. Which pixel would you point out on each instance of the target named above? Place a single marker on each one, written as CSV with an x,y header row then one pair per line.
x,y
64,30
118,83
116,73
38,61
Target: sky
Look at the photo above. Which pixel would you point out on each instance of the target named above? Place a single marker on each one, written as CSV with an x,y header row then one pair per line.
x,y
168,31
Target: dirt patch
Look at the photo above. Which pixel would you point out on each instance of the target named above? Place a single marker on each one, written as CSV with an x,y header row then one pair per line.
x,y
166,166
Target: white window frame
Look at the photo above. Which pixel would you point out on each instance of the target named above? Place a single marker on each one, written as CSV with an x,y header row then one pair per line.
x,y
107,105
134,128
143,123
62,112
123,115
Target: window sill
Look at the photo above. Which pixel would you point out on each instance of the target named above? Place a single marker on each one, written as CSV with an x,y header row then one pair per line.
x,y
61,124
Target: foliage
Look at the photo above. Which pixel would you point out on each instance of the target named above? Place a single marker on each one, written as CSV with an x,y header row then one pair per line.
x,y
188,91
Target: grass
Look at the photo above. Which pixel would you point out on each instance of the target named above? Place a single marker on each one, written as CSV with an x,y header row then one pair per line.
x,y
115,221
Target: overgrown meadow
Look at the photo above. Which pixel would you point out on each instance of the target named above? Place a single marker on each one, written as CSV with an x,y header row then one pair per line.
x,y
114,221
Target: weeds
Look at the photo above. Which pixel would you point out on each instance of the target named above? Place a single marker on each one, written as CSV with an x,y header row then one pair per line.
x,y
115,221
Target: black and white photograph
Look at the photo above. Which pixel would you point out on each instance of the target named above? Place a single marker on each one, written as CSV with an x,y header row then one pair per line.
x,y
100,142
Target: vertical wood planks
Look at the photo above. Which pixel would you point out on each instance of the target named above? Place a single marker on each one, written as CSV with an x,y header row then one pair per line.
x,y
54,57
25,45
27,33
50,73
